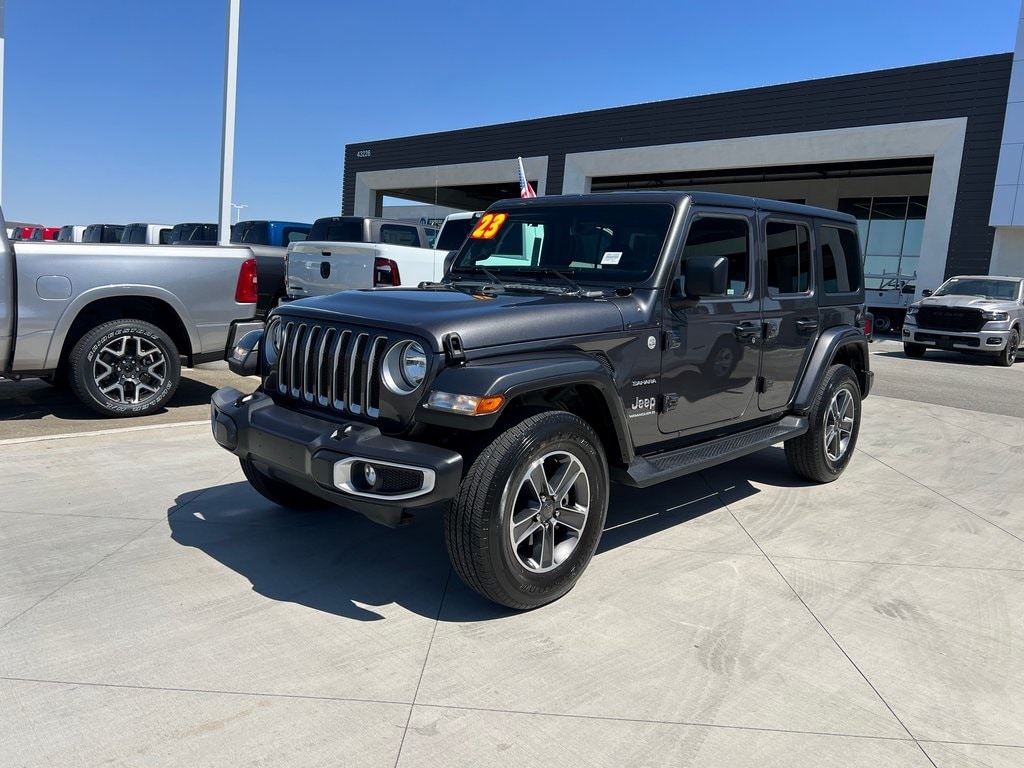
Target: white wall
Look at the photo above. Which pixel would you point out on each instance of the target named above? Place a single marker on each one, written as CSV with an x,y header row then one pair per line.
x,y
1008,197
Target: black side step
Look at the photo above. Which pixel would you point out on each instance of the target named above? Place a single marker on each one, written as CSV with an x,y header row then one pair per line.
x,y
648,470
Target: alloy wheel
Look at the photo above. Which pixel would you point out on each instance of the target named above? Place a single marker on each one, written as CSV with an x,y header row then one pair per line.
x,y
549,511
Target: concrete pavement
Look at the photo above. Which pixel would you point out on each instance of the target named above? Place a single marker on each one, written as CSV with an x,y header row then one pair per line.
x,y
155,611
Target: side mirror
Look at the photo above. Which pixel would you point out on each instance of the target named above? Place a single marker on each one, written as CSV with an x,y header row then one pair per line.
x,y
245,356
926,292
702,276
706,275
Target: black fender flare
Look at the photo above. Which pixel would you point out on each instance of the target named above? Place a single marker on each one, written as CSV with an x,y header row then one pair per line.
x,y
519,375
826,349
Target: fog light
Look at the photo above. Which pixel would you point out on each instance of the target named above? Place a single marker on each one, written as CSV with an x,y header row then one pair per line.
x,y
369,475
993,340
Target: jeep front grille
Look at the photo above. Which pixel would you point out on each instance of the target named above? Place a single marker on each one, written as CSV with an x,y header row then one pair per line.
x,y
331,367
950,319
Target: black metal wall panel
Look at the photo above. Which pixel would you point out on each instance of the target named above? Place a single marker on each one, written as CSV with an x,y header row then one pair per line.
x,y
974,88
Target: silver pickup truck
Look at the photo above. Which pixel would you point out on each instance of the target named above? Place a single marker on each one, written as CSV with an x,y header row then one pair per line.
x,y
973,314
116,322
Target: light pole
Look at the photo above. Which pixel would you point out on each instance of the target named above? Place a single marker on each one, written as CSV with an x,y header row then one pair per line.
x,y
227,147
238,210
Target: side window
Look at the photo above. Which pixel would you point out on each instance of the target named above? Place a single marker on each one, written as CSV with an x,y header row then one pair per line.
x,y
722,236
293,235
398,235
788,252
840,260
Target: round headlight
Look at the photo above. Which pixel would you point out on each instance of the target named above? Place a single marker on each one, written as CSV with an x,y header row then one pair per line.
x,y
413,364
272,339
405,367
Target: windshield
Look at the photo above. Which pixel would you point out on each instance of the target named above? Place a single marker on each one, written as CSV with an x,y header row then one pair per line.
x,y
979,286
594,243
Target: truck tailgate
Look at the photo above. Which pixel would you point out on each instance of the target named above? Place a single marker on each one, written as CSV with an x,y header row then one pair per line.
x,y
315,269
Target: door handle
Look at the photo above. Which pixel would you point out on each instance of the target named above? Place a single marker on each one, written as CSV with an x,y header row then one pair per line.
x,y
747,331
806,326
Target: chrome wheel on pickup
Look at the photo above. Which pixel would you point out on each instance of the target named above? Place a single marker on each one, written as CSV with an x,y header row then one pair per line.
x,y
530,511
1008,356
125,368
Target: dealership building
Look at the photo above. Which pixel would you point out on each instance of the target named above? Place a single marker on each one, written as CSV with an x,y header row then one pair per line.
x,y
928,158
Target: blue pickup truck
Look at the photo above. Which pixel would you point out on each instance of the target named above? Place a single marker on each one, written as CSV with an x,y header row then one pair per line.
x,y
269,241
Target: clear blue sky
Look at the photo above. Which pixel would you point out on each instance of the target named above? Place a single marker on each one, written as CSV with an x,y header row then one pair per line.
x,y
112,108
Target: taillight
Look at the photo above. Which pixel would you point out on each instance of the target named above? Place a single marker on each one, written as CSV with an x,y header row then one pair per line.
x,y
385,272
869,322
245,291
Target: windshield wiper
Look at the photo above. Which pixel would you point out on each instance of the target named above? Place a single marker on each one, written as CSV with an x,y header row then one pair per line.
x,y
563,276
495,285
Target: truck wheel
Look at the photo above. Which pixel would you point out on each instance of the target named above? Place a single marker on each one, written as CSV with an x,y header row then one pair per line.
x,y
913,350
530,511
823,451
125,368
1008,356
282,494
883,323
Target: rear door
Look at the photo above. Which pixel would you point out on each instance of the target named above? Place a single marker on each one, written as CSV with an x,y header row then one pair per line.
x,y
711,346
789,307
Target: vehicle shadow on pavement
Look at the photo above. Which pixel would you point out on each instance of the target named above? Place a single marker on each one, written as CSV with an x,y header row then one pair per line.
x,y
340,563
35,399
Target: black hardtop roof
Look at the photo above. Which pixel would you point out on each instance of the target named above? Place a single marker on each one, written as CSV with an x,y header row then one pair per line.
x,y
677,198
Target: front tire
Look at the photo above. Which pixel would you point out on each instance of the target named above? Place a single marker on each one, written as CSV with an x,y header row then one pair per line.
x,y
125,368
1008,355
913,350
823,451
530,511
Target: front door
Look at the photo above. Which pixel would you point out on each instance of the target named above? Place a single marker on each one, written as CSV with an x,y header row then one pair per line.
x,y
711,347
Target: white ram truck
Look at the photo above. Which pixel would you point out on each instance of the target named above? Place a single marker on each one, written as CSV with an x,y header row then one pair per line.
x,y
117,322
344,252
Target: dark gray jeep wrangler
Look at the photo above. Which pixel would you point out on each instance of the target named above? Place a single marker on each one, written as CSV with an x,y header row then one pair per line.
x,y
576,339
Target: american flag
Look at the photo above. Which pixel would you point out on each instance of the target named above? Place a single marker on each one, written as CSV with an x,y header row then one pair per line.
x,y
525,190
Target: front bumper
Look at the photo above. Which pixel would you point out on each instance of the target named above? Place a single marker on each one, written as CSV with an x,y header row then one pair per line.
x,y
329,459
984,340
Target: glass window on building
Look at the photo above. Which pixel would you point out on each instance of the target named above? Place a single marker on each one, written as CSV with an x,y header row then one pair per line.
x,y
890,230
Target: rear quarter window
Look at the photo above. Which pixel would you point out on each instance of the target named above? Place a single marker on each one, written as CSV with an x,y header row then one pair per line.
x,y
840,261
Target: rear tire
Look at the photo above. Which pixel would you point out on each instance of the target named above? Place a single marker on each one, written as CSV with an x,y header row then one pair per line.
x,y
913,350
823,451
530,511
281,493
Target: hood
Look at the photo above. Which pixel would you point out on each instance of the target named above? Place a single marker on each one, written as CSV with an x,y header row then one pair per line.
x,y
481,321
966,302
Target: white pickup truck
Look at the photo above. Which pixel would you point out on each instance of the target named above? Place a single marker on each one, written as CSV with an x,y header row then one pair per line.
x,y
117,322
343,252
